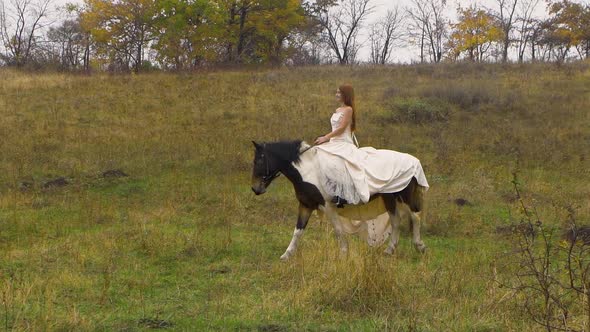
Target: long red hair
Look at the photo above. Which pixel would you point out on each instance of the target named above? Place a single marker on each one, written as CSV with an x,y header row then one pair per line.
x,y
347,94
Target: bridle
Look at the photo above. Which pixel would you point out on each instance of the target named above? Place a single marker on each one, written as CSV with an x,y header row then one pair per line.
x,y
268,177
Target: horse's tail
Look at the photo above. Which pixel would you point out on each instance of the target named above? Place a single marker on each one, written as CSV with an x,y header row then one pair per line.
x,y
413,196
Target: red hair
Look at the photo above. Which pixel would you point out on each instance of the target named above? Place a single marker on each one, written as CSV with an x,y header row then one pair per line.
x,y
347,94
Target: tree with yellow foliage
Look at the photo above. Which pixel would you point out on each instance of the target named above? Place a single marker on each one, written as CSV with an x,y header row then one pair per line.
x,y
189,33
121,29
474,33
257,31
569,27
186,33
277,20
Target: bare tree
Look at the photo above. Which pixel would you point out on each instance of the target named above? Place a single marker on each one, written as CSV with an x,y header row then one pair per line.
x,y
19,26
536,32
306,43
70,44
429,26
341,24
383,36
238,13
505,14
526,25
554,44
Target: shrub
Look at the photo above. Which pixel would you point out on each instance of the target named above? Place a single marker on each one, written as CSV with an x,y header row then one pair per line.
x,y
472,95
550,278
464,95
419,111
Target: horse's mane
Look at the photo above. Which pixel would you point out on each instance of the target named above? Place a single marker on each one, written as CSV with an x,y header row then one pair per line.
x,y
287,151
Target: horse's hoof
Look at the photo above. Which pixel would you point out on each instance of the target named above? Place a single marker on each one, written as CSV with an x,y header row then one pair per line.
x,y
389,251
285,257
421,248
343,254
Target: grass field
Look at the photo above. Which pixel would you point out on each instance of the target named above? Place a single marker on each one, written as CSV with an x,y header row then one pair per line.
x,y
182,243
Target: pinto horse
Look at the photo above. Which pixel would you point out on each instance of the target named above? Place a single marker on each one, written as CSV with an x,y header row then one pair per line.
x,y
296,161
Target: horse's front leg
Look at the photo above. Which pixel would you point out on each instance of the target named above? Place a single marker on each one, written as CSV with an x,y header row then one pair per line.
x,y
394,219
335,220
302,219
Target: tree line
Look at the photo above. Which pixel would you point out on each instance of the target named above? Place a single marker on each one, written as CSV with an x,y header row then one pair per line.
x,y
139,35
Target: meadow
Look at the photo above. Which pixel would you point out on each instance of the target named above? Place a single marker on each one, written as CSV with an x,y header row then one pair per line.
x,y
125,200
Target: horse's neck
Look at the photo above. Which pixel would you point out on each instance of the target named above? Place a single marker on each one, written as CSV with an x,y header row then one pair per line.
x,y
301,170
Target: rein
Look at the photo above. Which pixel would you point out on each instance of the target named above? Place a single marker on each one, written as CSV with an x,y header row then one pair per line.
x,y
309,147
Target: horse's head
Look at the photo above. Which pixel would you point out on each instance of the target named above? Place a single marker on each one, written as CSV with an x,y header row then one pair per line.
x,y
266,168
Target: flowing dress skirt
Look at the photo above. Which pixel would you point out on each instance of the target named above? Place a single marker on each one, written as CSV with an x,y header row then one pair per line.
x,y
357,173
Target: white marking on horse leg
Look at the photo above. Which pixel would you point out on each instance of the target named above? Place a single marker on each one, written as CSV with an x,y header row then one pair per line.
x,y
293,245
394,220
418,244
335,220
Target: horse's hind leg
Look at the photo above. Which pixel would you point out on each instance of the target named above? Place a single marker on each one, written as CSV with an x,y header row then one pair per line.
x,y
418,244
416,206
302,219
394,220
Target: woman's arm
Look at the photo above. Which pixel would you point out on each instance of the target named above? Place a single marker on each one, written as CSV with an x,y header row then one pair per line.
x,y
344,122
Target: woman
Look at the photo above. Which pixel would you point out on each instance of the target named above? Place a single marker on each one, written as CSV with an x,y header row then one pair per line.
x,y
337,180
350,174
343,117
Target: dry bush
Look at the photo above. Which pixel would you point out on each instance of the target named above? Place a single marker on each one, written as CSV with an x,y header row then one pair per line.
x,y
418,111
473,95
550,279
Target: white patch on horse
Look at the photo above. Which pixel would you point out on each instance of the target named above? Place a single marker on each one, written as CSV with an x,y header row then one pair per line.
x,y
293,245
305,165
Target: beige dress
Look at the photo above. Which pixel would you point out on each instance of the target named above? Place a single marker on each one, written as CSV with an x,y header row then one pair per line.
x,y
355,173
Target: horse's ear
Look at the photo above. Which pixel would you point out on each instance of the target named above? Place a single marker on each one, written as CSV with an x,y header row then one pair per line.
x,y
256,145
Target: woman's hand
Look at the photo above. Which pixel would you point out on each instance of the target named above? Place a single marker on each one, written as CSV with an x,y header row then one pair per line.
x,y
321,140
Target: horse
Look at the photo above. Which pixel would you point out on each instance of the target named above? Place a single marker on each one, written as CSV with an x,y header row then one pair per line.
x,y
296,161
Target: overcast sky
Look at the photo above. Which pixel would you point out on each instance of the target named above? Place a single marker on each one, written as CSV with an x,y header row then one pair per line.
x,y
409,53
